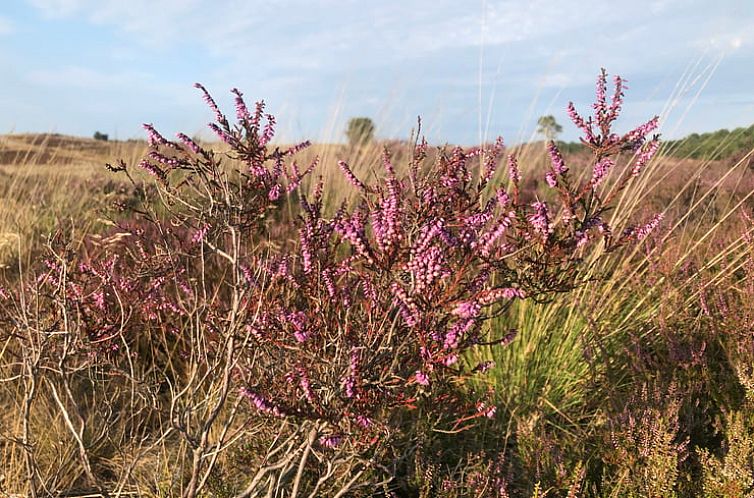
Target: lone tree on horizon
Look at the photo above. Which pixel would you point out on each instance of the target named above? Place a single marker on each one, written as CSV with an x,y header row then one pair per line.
x,y
549,127
360,131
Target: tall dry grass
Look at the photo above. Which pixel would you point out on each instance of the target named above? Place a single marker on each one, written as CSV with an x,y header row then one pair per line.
x,y
550,376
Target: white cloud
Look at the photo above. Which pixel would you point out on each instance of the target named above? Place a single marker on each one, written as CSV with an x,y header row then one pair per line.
x,y
87,79
80,77
394,29
57,8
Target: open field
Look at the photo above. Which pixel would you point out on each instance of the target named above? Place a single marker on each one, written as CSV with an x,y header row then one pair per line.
x,y
188,329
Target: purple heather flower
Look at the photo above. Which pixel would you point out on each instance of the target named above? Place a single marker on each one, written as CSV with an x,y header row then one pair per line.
x,y
488,240
189,143
99,300
352,229
540,219
421,378
467,309
295,180
329,283
369,291
585,126
184,286
601,169
600,104
646,154
212,104
269,130
331,441
582,238
426,268
363,421
242,112
154,138
279,268
248,276
494,295
615,106
427,234
274,192
153,170
450,360
457,332
503,199
297,321
298,148
513,171
350,176
258,113
487,411
637,135
556,159
386,218
200,234
168,162
306,386
550,179
567,215
491,160
221,134
410,317
643,231
262,404
401,298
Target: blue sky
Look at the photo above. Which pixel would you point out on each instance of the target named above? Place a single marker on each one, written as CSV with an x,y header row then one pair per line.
x,y
470,69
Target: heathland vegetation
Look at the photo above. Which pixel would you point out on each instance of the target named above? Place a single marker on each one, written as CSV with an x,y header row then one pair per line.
x,y
244,318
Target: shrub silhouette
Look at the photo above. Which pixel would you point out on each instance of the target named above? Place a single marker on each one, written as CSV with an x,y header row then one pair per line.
x,y
360,131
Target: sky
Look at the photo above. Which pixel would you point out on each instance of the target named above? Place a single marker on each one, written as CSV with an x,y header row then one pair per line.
x,y
471,69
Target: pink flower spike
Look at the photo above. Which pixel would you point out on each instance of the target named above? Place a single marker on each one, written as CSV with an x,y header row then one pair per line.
x,y
550,179
421,378
331,441
540,219
350,176
200,234
212,104
646,154
189,143
242,112
487,411
643,231
556,159
513,171
601,169
637,135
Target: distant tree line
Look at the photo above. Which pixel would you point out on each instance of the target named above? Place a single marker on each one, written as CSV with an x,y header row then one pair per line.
x,y
720,144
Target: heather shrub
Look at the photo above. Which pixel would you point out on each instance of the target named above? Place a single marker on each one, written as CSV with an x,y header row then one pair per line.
x,y
324,362
645,447
732,473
